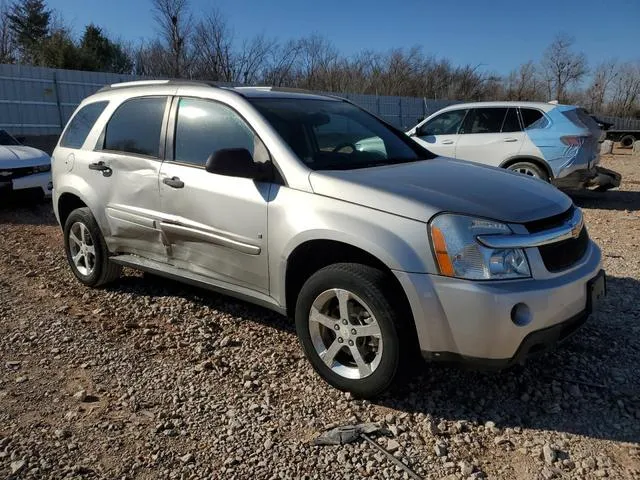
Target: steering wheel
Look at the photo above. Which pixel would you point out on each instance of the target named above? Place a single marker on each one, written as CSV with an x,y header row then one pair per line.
x,y
343,145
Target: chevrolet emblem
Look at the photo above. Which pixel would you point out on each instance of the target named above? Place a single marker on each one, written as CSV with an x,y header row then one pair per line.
x,y
576,227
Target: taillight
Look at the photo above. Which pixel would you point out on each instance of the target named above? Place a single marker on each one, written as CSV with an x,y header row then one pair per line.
x,y
572,141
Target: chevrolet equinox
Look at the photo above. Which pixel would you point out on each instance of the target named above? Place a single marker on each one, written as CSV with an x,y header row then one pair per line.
x,y
262,194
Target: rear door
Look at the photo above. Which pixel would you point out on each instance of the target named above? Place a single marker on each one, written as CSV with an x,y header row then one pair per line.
x,y
216,225
490,135
124,169
440,133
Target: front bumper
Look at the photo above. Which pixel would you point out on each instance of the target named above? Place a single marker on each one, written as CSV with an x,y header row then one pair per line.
x,y
599,177
37,182
471,321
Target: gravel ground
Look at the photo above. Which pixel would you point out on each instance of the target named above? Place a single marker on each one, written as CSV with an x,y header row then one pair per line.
x,y
152,379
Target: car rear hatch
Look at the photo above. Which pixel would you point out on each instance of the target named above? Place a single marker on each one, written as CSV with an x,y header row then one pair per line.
x,y
586,143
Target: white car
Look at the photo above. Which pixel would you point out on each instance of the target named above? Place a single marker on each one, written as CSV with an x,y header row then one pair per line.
x,y
555,143
24,169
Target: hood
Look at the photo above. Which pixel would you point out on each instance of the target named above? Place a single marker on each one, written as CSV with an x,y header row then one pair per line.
x,y
420,190
18,156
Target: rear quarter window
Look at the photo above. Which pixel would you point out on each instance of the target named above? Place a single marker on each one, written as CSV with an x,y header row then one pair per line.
x,y
532,118
81,124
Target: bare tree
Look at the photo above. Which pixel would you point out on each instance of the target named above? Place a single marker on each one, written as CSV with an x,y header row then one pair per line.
x,y
281,63
7,47
251,61
175,24
317,59
601,82
213,48
523,83
626,91
563,68
151,60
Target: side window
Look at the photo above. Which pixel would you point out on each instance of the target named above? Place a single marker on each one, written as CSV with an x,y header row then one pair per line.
x,y
204,127
532,118
136,126
81,124
446,123
484,120
511,122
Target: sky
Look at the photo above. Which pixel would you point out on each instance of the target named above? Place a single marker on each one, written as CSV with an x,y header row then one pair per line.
x,y
496,34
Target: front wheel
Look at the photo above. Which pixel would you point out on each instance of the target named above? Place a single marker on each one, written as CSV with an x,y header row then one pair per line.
x,y
348,328
530,169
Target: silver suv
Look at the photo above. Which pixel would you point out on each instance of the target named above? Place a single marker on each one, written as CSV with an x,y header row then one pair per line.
x,y
377,253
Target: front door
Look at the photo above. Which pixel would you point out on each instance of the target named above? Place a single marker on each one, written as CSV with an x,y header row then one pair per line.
x,y
215,225
440,133
490,136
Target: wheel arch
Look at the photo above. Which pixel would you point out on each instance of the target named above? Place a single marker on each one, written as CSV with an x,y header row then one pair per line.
x,y
67,203
310,256
524,158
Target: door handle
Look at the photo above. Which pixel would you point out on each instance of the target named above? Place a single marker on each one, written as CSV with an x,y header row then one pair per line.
x,y
101,167
510,139
447,142
173,182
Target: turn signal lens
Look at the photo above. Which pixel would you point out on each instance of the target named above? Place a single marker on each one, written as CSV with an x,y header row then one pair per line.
x,y
442,256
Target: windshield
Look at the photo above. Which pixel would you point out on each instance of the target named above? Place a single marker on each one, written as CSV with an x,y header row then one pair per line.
x,y
6,139
336,135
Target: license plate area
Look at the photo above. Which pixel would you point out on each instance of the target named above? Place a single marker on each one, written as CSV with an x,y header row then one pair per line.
x,y
596,290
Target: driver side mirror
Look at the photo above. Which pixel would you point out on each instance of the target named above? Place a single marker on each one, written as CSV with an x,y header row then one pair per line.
x,y
233,162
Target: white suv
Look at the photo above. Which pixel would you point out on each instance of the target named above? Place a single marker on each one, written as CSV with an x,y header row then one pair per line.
x,y
556,143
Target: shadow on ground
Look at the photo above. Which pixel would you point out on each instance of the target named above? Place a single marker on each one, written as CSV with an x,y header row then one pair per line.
x,y
589,385
611,200
149,285
25,210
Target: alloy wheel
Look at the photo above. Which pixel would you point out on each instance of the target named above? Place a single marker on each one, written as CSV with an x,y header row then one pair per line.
x,y
82,249
345,333
527,171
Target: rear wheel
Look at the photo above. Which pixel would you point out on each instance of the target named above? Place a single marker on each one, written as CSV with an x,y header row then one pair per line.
x,y
86,250
627,141
347,326
530,169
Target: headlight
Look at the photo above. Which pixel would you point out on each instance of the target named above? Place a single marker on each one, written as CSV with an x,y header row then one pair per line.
x,y
459,254
42,168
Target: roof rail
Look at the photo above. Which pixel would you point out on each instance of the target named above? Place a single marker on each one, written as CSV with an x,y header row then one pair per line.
x,y
142,83
268,88
138,83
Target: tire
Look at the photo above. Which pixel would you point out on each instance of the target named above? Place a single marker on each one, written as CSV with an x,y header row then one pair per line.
x,y
93,267
530,169
368,296
627,141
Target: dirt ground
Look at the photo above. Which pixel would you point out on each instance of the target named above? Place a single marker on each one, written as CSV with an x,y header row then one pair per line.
x,y
152,379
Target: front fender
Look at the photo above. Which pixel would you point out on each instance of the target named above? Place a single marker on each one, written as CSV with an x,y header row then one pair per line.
x,y
297,217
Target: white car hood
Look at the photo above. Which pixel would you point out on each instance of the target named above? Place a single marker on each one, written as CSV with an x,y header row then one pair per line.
x,y
18,156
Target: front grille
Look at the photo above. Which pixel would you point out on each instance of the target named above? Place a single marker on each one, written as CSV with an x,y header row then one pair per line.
x,y
550,222
562,255
7,175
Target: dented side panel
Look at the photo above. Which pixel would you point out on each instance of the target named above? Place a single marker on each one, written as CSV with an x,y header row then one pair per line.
x,y
132,204
217,225
564,159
